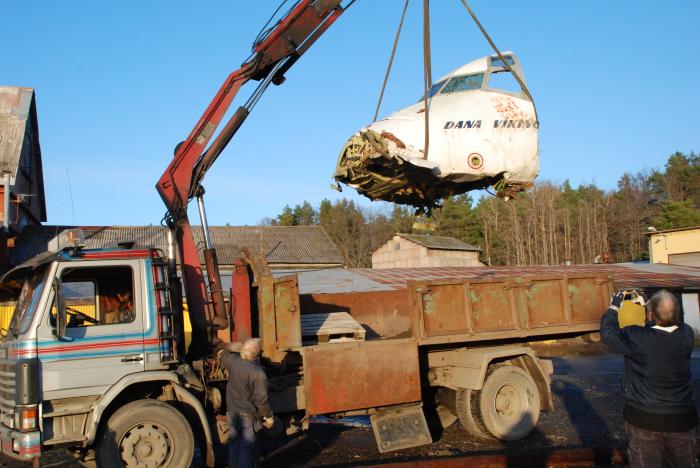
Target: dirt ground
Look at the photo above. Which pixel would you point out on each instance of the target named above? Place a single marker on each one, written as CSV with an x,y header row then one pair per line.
x,y
588,414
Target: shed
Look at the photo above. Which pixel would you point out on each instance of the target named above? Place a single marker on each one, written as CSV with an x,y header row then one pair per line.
x,y
413,251
676,246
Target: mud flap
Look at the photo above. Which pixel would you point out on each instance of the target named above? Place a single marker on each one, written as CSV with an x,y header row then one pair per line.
x,y
400,427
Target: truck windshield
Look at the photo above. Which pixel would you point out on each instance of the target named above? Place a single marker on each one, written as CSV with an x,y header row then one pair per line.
x,y
27,302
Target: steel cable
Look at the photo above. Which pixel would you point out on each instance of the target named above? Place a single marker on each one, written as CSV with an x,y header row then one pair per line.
x,y
391,61
427,74
520,81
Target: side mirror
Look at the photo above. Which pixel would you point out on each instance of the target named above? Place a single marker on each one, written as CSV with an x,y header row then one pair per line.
x,y
61,314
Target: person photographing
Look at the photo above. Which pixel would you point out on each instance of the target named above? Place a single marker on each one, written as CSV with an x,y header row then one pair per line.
x,y
659,413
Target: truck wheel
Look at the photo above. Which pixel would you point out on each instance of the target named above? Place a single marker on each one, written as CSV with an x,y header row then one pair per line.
x,y
508,405
146,434
468,417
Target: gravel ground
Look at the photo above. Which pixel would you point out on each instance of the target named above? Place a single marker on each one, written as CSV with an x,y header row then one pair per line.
x,y
588,406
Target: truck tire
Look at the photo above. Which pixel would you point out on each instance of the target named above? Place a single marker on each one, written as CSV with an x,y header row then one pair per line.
x,y
508,405
148,434
468,417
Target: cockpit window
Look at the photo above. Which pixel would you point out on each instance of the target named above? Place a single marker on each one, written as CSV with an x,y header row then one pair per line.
x,y
27,302
505,81
463,83
436,87
498,63
433,90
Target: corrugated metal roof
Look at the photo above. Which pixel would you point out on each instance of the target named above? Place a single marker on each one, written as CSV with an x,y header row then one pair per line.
x,y
440,243
18,118
15,111
294,245
626,275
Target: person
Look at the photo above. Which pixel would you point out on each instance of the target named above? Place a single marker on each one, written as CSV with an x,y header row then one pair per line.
x,y
659,412
246,399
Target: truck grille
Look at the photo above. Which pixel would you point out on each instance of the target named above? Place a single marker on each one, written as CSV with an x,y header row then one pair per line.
x,y
7,392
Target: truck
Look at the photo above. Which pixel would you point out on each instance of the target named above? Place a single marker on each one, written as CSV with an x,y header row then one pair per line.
x,y
90,360
95,358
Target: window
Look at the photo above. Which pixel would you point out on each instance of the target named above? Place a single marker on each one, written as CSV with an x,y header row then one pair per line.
x,y
97,296
498,63
433,90
463,83
436,87
505,81
27,301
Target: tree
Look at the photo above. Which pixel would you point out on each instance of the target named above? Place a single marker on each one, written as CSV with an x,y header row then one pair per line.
x,y
680,180
304,215
286,218
458,219
678,214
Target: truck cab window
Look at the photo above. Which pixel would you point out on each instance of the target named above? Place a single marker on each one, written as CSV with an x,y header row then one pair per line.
x,y
97,296
26,302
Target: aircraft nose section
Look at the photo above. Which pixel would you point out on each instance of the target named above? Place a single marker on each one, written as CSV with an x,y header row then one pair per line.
x,y
481,135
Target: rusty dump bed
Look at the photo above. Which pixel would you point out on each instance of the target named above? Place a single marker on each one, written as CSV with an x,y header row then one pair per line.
x,y
625,275
447,305
407,312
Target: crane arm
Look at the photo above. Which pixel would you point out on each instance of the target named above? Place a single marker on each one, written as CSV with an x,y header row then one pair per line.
x,y
273,55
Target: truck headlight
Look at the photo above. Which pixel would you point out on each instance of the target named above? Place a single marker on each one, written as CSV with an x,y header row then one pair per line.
x,y
25,418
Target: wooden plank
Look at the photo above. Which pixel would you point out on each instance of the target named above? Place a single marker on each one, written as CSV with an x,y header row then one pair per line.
x,y
331,327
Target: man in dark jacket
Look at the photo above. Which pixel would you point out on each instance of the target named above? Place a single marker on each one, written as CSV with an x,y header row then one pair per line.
x,y
246,400
660,416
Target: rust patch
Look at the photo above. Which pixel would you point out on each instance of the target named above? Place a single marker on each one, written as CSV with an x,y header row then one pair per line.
x,y
348,376
394,138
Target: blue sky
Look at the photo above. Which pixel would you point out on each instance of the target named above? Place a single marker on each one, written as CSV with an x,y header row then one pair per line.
x,y
118,84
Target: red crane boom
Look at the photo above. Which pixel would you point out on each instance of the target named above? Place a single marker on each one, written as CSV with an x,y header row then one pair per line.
x,y
273,55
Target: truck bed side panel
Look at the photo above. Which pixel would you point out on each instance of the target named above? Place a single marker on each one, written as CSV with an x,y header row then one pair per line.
x,y
450,311
365,374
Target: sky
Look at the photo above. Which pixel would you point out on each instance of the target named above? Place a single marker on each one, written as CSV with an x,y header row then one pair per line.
x,y
120,83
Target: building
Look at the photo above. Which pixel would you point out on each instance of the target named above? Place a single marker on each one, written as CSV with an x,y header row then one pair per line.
x,y
286,248
675,246
412,251
22,201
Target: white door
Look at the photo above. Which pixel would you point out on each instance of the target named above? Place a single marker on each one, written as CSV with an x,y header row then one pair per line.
x,y
106,316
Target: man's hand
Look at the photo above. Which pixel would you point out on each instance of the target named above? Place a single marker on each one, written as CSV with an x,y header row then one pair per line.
x,y
616,300
642,298
268,422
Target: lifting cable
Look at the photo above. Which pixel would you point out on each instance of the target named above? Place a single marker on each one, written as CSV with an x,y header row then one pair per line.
x,y
427,69
391,61
427,73
520,81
